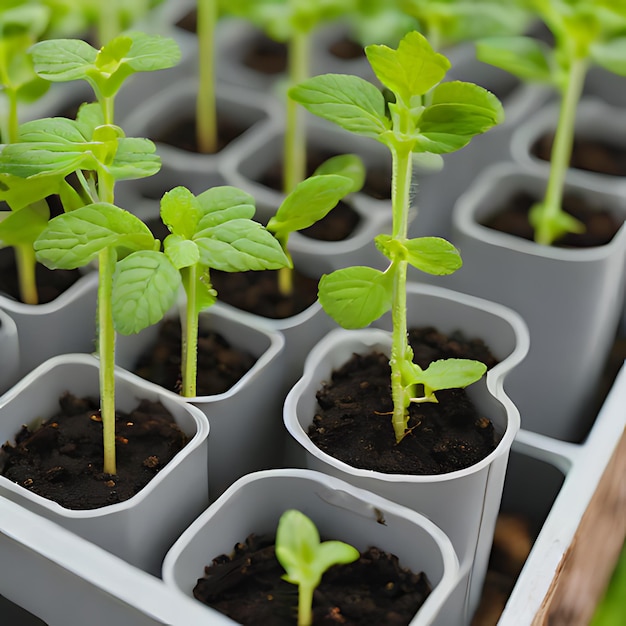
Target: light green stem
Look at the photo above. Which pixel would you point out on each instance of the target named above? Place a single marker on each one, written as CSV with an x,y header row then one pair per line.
x,y
206,114
190,333
108,26
561,151
106,348
13,127
26,264
305,605
400,350
295,130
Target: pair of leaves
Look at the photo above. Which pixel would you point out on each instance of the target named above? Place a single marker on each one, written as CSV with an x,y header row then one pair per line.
x,y
356,296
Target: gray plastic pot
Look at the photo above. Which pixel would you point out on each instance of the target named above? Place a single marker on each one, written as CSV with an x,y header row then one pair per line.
x,y
571,299
141,529
255,503
246,429
9,349
463,503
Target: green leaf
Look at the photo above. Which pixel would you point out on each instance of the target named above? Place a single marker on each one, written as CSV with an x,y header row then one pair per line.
x,y
60,60
221,204
180,212
145,286
149,53
180,251
356,296
433,255
239,245
75,239
611,55
458,112
134,158
411,70
452,374
309,202
524,57
349,165
19,192
349,101
24,226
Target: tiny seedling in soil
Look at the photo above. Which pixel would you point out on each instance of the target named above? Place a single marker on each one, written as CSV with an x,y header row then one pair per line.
x,y
305,558
425,117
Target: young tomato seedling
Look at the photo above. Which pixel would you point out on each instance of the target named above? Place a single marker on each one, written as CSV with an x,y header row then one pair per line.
x,y
427,116
305,558
585,32
213,230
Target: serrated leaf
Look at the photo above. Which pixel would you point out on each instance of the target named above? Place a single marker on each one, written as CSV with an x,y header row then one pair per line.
x,y
180,211
134,158
411,70
180,251
524,57
349,101
152,52
356,296
145,286
349,165
60,60
24,226
224,203
240,245
74,239
309,202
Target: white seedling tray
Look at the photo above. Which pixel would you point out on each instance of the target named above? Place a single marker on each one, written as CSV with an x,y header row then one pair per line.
x,y
548,480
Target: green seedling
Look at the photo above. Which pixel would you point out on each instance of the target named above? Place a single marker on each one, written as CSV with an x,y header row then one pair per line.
x,y
213,230
410,128
585,32
305,558
96,151
311,200
292,22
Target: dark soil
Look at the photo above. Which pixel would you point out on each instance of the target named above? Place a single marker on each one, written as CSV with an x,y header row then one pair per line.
x,y
593,155
50,283
62,460
220,365
346,49
182,133
354,419
372,591
601,225
258,292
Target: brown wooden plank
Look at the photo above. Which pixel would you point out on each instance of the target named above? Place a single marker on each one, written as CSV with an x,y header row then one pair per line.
x,y
586,568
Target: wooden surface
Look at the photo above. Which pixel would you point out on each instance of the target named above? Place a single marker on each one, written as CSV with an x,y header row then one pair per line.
x,y
586,568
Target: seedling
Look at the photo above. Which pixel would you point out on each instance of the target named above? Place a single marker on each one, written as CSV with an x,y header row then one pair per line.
x,y
305,558
311,200
585,32
409,127
293,22
213,230
99,154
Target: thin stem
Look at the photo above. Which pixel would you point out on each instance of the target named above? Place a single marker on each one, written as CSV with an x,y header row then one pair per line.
x,y
294,159
561,150
206,114
108,26
26,264
400,350
305,605
106,348
190,333
13,128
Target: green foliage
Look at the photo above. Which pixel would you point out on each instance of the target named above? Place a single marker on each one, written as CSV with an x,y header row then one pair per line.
x,y
611,611
305,558
425,117
585,32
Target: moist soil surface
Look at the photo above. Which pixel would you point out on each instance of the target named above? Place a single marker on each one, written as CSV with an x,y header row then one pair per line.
x,y
220,365
50,283
353,423
372,591
600,224
258,292
593,155
62,459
